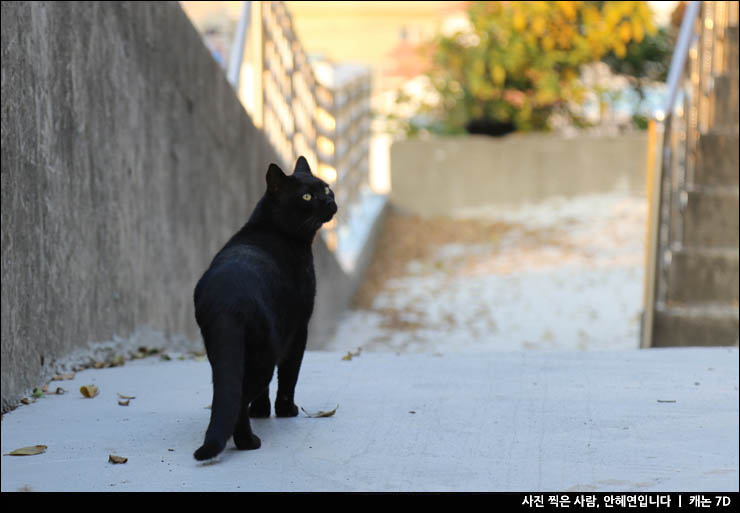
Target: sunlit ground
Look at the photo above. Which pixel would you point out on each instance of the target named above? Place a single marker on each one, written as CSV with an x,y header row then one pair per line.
x,y
566,274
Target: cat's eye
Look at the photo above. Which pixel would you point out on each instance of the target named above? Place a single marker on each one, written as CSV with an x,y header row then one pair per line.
x,y
326,191
307,197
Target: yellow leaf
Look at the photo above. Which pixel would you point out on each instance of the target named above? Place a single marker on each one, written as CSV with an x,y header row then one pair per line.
x,y
31,450
625,31
499,75
320,413
89,391
568,10
519,22
620,49
538,26
350,354
638,33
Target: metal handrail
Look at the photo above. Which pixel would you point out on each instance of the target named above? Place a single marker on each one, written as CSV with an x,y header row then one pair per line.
x,y
656,175
678,59
237,48
674,143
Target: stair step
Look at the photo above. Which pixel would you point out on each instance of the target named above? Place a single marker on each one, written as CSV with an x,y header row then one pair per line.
x,y
703,276
717,159
703,325
726,101
711,218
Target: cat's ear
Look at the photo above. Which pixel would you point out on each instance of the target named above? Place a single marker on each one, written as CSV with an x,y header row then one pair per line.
x,y
301,166
275,178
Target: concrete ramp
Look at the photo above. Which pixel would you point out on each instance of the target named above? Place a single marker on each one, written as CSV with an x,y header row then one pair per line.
x,y
652,420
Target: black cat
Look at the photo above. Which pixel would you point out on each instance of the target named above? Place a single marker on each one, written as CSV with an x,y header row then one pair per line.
x,y
254,302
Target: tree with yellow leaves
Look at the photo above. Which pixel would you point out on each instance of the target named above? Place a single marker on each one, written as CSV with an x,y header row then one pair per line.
x,y
518,62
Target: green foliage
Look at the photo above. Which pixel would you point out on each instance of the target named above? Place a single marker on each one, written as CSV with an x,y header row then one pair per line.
x,y
519,61
645,61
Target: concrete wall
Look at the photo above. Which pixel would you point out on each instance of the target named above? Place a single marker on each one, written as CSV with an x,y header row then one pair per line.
x,y
441,176
127,162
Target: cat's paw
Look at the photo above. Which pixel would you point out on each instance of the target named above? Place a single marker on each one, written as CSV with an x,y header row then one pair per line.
x,y
285,409
247,442
260,408
208,450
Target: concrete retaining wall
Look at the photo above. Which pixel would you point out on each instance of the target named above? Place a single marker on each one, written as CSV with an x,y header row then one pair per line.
x,y
442,176
127,162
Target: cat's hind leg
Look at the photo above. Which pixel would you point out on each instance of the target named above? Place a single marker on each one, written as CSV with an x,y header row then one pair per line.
x,y
257,376
260,407
224,339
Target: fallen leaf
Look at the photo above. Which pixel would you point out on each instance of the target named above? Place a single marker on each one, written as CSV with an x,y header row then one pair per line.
x,y
666,400
98,365
37,392
126,396
124,403
350,355
320,413
112,458
89,391
64,377
59,391
31,450
118,360
26,400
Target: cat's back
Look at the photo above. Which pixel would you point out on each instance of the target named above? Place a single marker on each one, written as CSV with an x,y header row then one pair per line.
x,y
243,279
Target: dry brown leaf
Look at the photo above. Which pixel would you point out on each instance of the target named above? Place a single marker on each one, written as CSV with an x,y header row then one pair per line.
x,y
350,354
121,396
26,400
64,377
59,391
124,403
31,450
89,391
98,365
112,458
320,414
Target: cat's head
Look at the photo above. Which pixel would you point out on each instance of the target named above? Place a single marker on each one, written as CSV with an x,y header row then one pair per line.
x,y
301,202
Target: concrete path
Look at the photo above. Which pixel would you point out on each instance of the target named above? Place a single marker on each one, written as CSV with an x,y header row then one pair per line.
x,y
661,420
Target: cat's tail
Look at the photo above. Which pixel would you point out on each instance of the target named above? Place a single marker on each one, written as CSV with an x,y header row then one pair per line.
x,y
224,338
